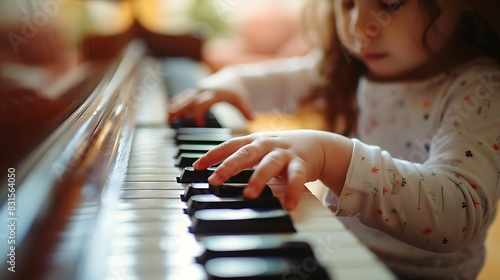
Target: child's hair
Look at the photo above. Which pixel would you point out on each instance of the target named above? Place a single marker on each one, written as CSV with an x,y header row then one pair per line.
x,y
479,27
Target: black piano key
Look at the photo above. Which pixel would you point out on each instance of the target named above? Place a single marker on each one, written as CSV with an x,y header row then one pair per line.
x,y
192,149
221,191
187,159
240,221
203,130
210,121
196,188
210,201
268,268
190,175
201,139
254,246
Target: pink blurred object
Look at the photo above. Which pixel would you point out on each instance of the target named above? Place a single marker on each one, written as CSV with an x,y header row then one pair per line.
x,y
262,30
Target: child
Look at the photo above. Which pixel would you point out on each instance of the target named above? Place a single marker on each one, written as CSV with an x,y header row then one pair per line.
x,y
419,84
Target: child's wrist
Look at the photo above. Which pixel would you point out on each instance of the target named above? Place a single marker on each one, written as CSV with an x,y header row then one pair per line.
x,y
337,152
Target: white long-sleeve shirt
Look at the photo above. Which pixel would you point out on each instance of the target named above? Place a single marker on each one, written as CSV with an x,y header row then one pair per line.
x,y
424,177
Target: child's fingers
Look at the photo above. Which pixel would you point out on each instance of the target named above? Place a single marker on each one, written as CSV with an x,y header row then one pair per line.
x,y
176,113
243,107
200,112
297,177
183,99
180,104
269,167
204,100
221,152
245,157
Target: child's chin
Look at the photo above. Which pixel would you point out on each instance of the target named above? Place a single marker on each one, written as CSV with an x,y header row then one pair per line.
x,y
382,74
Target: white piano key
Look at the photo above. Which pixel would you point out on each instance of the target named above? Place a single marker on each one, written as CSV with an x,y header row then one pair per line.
x,y
150,238
151,194
150,178
362,272
152,170
153,164
152,186
189,271
155,228
151,261
142,215
156,245
150,204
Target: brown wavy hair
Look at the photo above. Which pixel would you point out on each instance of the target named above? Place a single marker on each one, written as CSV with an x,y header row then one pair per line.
x,y
479,27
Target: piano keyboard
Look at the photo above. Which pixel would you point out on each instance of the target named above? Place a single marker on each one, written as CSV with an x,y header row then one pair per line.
x,y
144,231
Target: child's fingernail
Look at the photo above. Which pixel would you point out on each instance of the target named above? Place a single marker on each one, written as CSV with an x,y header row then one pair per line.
x,y
290,205
215,179
250,192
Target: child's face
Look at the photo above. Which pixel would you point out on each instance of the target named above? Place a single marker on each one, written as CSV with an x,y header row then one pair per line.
x,y
387,35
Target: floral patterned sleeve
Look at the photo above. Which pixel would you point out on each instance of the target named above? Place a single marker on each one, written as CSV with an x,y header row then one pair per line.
x,y
447,200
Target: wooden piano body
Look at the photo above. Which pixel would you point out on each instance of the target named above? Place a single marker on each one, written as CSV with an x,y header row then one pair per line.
x,y
96,197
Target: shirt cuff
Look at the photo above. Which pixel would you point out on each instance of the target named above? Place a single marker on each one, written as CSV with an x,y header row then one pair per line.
x,y
358,187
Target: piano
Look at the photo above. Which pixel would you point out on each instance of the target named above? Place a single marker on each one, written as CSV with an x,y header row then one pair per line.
x,y
97,193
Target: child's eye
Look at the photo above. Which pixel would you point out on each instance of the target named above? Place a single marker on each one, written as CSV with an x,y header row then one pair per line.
x,y
347,4
392,5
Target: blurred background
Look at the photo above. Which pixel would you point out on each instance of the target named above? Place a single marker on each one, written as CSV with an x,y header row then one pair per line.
x,y
234,31
53,53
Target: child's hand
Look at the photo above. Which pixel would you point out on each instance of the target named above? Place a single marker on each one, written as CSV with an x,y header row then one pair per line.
x,y
195,103
298,156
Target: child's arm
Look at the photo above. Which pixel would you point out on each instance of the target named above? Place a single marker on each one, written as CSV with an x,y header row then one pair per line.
x,y
299,156
274,84
439,205
447,201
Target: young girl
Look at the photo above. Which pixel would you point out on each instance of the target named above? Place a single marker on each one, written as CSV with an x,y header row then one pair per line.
x,y
418,82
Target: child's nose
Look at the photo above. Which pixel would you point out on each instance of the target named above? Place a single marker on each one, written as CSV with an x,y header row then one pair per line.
x,y
364,25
